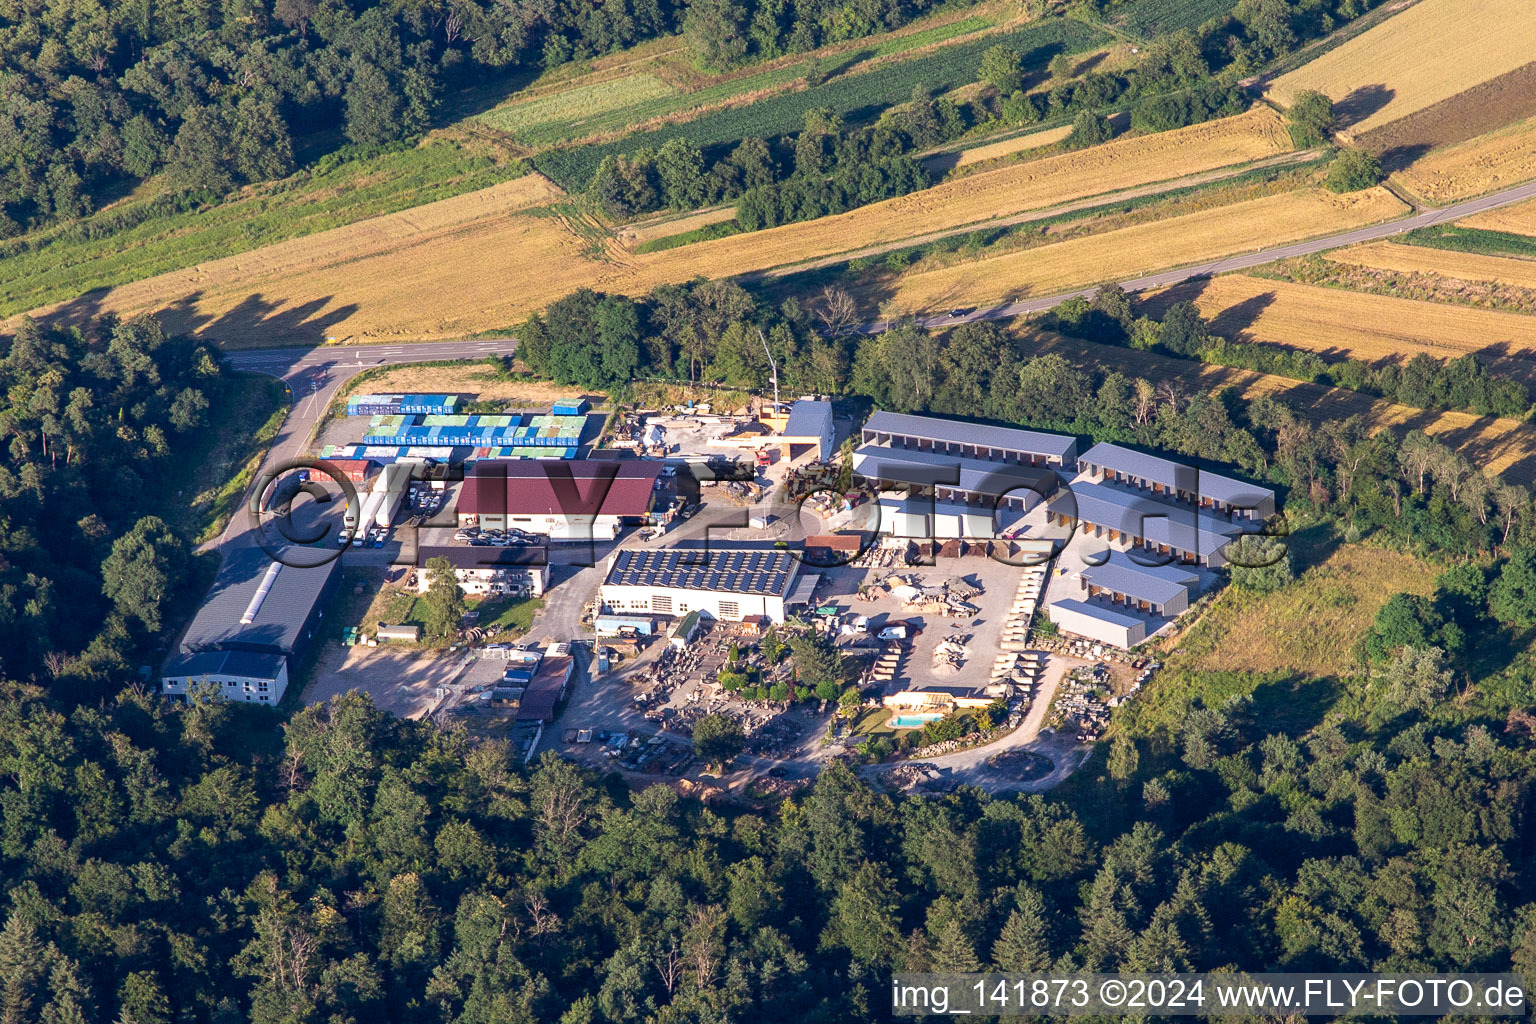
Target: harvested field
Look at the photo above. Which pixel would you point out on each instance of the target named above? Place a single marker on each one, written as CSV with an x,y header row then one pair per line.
x,y
1033,185
1034,140
1417,259
1484,164
1501,446
1415,59
1114,255
1483,108
487,259
1519,219
444,269
1340,324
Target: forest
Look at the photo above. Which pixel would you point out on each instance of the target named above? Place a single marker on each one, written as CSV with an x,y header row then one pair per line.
x,y
175,865
205,96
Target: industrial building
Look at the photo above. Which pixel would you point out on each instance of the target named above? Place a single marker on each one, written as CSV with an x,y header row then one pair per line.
x,y
485,571
1157,526
1098,622
962,497
1151,589
1162,477
258,620
547,687
587,500
971,440
809,426
728,584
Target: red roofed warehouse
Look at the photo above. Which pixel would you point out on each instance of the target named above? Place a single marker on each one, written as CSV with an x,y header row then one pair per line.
x,y
566,500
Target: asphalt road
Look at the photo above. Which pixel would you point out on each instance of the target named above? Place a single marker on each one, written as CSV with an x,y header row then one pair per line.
x,y
313,377
1244,261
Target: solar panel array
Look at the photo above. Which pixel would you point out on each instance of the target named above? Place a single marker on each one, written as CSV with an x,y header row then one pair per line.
x,y
733,571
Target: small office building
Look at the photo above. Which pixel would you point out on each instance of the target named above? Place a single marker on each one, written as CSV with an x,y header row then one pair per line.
x,y
260,617
490,570
727,584
583,500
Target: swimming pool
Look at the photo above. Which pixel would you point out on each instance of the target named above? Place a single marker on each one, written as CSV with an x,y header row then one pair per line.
x,y
915,721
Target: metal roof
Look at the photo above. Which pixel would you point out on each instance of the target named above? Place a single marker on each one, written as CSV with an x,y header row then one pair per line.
x,y
544,691
1156,583
931,428
957,472
762,573
231,616
1101,612
584,488
1220,488
241,664
1143,515
809,419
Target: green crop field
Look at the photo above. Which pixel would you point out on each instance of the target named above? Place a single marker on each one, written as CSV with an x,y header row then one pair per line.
x,y
569,110
853,96
1478,240
612,106
137,239
1149,18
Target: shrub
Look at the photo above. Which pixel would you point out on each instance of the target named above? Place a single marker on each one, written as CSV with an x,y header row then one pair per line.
x,y
1353,170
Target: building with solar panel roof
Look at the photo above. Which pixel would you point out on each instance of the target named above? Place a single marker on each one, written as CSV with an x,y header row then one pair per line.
x,y
728,584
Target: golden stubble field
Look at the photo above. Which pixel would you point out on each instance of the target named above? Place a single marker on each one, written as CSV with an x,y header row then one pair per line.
x,y
486,259
1416,58
1519,219
1117,255
431,271
993,150
1502,446
1370,327
1485,164
1033,185
1419,259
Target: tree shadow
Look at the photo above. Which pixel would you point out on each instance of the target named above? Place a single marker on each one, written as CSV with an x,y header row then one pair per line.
x,y
1188,290
255,322
1399,158
1233,322
1361,103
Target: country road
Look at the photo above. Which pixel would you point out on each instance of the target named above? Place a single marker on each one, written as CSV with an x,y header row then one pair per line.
x,y
313,377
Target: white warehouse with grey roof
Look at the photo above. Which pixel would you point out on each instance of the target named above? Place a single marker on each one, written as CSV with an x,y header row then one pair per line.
x,y
728,584
947,479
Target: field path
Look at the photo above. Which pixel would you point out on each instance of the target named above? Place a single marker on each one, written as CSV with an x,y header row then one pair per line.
x,y
1244,261
1108,199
